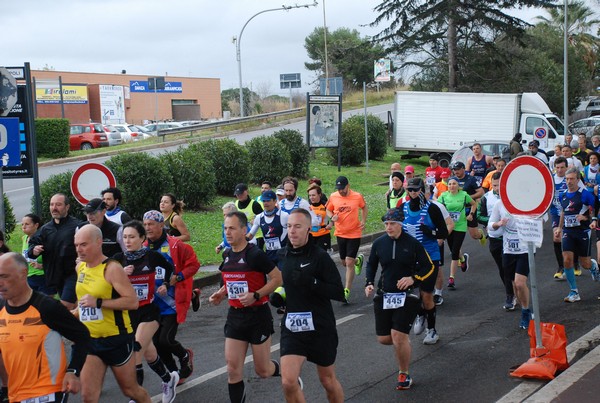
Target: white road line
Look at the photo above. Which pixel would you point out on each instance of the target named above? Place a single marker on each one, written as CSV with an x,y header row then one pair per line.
x,y
529,387
223,370
18,190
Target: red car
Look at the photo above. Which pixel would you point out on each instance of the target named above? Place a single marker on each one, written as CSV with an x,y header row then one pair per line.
x,y
85,136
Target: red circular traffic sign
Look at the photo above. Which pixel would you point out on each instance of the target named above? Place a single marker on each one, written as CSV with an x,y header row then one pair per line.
x,y
89,180
526,187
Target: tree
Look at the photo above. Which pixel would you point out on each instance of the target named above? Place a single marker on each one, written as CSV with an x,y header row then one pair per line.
x,y
349,55
232,95
425,31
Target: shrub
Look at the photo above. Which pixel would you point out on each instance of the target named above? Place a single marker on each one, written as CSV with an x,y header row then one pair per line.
x,y
269,159
52,137
142,179
353,142
9,218
192,176
230,162
299,151
59,183
377,137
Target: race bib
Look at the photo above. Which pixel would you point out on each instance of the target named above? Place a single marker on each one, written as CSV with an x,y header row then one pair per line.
x,y
513,245
272,243
236,288
454,215
89,314
430,180
571,221
393,300
556,202
141,290
299,322
479,179
160,273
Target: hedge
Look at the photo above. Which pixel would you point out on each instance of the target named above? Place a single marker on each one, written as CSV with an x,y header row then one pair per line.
x,y
52,137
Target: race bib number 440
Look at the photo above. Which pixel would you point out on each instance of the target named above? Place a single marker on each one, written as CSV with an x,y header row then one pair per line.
x,y
299,321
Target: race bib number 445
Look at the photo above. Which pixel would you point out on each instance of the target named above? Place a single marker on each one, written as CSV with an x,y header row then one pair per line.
x,y
394,300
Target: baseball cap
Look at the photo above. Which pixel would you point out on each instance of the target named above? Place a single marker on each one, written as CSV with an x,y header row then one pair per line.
x,y
458,165
94,205
394,215
445,173
409,168
240,188
534,143
268,195
341,182
414,183
280,191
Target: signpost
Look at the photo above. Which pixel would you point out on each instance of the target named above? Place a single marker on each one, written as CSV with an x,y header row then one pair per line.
x,y
89,180
290,81
541,135
527,191
323,122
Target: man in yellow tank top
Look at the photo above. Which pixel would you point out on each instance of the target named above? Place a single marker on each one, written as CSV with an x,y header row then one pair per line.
x,y
105,295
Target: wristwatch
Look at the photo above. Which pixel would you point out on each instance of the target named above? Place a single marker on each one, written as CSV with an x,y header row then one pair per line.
x,y
256,296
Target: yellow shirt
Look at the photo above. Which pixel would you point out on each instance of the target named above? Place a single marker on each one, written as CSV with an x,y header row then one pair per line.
x,y
101,322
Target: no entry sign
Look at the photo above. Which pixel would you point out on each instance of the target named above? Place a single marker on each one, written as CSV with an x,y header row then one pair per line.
x,y
89,180
526,187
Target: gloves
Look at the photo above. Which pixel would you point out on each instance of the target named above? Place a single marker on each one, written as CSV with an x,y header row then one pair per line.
x,y
427,230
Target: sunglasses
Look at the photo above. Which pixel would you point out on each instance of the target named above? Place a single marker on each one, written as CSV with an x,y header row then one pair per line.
x,y
413,189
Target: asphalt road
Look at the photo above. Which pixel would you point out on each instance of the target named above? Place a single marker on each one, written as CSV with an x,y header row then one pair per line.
x,y
478,344
20,191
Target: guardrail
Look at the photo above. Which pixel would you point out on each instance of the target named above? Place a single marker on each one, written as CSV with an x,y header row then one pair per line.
x,y
210,125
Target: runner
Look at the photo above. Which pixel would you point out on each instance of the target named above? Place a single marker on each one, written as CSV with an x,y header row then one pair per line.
x,y
175,305
112,198
424,221
455,201
404,264
500,164
409,172
488,201
34,356
172,209
273,225
397,194
515,259
567,152
560,187
469,184
250,207
99,281
515,145
557,153
112,233
249,321
264,186
576,228
321,234
308,329
433,172
442,186
30,224
144,267
478,164
342,209
591,176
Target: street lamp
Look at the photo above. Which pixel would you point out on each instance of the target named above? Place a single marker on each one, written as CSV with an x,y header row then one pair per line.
x,y
238,41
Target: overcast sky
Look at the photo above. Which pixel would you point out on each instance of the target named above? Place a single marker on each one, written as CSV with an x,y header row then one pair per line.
x,y
176,37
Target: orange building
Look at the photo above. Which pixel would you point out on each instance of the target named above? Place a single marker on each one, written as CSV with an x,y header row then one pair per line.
x,y
124,98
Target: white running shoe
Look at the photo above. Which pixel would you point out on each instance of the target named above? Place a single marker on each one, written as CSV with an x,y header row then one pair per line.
x,y
594,270
419,325
169,388
431,337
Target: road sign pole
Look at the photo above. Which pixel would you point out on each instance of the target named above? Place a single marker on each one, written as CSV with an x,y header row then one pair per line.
x,y
534,296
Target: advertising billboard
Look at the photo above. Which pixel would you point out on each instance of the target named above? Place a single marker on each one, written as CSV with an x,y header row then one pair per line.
x,y
112,104
49,93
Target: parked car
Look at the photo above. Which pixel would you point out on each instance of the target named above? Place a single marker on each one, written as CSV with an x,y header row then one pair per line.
x,y
162,126
585,126
489,148
143,133
114,136
128,132
85,136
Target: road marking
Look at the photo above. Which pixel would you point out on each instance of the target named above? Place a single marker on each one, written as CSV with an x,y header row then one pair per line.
x,y
223,370
528,387
18,190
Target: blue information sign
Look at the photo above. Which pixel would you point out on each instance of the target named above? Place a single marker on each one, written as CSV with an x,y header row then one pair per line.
x,y
10,142
142,86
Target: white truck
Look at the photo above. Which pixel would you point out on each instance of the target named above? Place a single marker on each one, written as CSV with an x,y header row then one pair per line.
x,y
442,122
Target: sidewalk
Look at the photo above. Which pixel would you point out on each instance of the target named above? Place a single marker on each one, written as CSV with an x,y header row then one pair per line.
x,y
577,384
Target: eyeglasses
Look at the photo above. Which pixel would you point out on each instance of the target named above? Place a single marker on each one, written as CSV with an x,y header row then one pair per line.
x,y
413,189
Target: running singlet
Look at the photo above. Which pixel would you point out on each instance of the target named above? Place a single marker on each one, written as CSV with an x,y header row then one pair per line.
x,y
166,303
413,220
560,187
455,204
171,230
294,206
146,270
101,322
321,212
272,232
572,205
243,272
478,168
